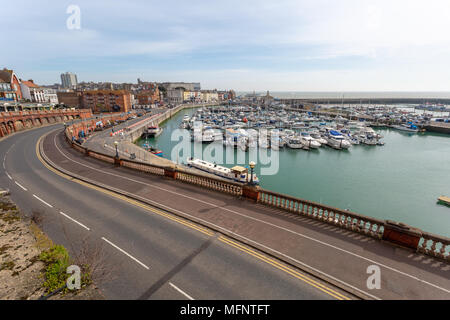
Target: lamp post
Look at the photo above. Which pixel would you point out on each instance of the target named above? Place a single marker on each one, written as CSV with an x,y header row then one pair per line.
x,y
116,143
252,166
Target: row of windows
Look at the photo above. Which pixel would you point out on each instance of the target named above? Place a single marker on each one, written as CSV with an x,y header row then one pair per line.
x,y
9,96
5,87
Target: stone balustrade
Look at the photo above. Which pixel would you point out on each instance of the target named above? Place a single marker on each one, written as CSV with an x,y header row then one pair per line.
x,y
210,183
436,246
144,167
100,156
340,218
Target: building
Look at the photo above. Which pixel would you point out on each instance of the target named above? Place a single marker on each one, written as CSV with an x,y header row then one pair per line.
x,y
149,96
192,96
69,80
50,96
106,100
175,95
210,96
226,95
267,99
186,86
9,86
69,98
31,92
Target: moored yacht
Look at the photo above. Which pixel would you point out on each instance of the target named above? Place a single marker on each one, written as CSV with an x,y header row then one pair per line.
x,y
152,131
237,173
337,141
406,127
309,141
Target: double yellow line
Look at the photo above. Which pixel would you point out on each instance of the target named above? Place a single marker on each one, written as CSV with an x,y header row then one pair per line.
x,y
223,239
284,268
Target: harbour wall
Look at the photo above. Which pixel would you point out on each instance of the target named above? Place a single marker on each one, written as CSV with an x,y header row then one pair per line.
x,y
382,101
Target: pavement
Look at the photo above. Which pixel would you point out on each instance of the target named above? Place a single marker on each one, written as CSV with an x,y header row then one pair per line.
x,y
341,257
150,253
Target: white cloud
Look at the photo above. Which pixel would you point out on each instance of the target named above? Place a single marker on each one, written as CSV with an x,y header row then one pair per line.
x,y
393,37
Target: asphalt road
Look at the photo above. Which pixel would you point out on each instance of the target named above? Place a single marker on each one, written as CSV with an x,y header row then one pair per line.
x,y
148,255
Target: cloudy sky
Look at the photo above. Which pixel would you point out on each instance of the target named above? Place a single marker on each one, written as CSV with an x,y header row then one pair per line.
x,y
299,45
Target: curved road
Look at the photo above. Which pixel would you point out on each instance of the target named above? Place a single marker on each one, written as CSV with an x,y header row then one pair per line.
x,y
150,255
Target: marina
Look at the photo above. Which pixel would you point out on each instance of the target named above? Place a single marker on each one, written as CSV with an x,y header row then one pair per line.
x,y
407,172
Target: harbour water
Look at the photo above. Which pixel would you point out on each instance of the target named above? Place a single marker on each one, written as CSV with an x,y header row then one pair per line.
x,y
399,181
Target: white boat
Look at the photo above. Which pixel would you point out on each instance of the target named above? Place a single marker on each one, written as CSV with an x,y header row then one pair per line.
x,y
337,141
294,142
237,173
369,137
152,131
204,136
309,142
316,136
406,127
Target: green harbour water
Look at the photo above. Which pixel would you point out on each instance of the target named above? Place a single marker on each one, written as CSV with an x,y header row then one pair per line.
x,y
399,181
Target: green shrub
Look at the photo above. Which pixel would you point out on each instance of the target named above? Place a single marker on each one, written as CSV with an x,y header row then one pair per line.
x,y
56,261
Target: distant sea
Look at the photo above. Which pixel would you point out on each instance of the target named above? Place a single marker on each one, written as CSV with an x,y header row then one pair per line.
x,y
352,95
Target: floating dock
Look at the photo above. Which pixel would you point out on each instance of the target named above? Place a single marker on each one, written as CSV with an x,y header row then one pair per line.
x,y
444,200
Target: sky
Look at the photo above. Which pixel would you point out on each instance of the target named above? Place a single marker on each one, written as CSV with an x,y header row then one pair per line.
x,y
282,45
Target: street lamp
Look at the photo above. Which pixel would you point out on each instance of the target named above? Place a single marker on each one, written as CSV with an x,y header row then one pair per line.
x,y
252,166
116,143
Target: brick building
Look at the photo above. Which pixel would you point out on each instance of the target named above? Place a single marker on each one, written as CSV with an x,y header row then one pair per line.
x,y
106,100
149,96
70,98
9,86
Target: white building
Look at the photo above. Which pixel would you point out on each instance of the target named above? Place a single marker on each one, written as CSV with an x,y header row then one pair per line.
x,y
210,96
69,80
33,93
50,96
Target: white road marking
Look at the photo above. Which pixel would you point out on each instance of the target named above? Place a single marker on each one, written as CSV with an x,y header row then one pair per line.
x,y
262,221
181,291
25,189
65,215
46,203
10,178
126,253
